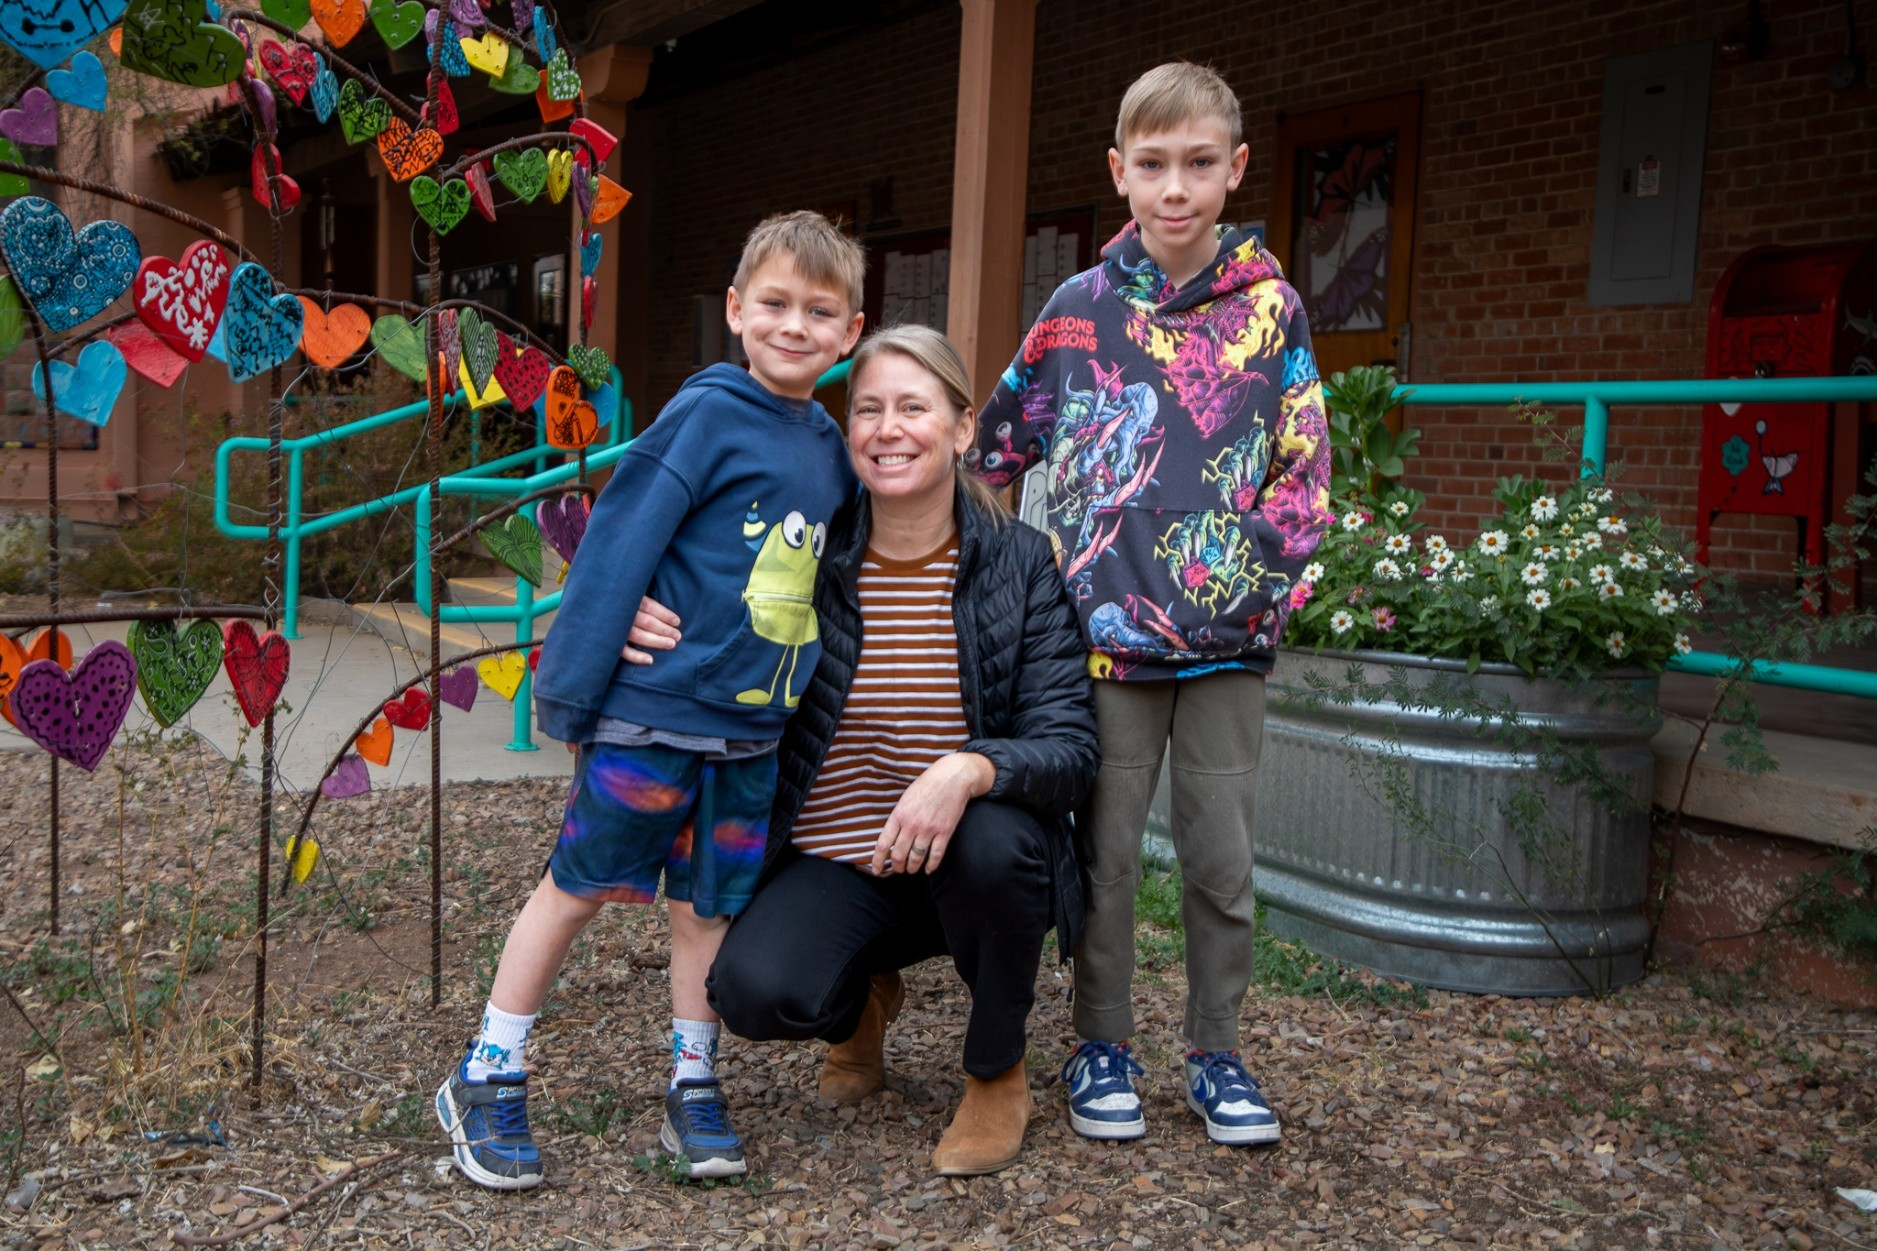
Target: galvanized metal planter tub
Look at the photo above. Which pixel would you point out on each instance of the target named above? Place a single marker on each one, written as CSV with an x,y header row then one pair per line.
x,y
1343,873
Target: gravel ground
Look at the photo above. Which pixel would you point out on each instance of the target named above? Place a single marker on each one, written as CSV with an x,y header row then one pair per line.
x,y
1673,1113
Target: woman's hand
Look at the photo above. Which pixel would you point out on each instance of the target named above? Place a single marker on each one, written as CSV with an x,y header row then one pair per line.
x,y
654,626
915,837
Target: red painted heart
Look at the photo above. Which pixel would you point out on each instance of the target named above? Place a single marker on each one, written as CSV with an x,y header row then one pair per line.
x,y
521,371
447,120
257,666
410,713
294,69
183,301
602,140
480,193
146,353
267,156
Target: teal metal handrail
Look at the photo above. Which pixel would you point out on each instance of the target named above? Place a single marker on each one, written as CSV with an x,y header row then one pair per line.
x,y
1597,397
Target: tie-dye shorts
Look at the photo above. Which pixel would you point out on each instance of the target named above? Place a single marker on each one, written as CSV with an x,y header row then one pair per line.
x,y
633,814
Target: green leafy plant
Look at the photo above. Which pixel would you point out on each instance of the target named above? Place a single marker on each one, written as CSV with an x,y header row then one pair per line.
x,y
1365,455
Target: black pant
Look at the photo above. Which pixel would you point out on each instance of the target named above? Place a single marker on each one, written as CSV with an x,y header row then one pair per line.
x,y
795,964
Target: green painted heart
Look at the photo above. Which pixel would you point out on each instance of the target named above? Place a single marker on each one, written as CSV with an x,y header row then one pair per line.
x,y
517,544
441,206
292,13
518,79
397,23
12,316
174,666
16,184
174,40
362,115
591,363
562,82
480,348
400,345
523,173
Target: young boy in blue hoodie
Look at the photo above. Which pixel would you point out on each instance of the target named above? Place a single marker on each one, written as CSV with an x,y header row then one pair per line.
x,y
1172,391
720,510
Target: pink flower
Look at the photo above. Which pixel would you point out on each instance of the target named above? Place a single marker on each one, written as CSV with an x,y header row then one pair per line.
x,y
1300,594
1383,618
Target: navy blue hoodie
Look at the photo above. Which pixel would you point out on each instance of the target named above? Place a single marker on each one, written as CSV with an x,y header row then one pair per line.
x,y
720,511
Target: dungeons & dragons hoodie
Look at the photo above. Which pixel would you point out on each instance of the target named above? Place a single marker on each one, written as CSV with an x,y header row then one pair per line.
x,y
1188,456
720,511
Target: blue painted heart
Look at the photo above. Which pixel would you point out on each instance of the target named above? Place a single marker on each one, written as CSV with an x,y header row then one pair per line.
x,y
455,64
259,328
89,389
325,91
47,33
544,43
68,277
590,245
82,85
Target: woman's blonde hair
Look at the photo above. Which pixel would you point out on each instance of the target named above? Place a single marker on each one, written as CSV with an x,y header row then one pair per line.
x,y
936,354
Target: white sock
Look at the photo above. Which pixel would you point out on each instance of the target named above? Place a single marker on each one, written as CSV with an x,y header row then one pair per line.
x,y
693,1050
501,1046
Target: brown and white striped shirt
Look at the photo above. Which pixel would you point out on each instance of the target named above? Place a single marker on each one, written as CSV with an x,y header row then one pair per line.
x,y
905,709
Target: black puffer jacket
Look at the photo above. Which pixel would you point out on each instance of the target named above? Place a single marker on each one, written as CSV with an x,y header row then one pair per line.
x,y
1022,669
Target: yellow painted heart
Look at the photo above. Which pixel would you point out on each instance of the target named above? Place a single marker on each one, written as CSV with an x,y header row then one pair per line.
x,y
560,174
488,54
303,855
478,399
503,674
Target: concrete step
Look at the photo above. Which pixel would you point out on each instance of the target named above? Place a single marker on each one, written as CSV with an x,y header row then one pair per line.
x,y
406,626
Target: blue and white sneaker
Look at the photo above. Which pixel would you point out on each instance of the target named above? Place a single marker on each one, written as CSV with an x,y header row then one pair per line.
x,y
697,1127
1102,1099
487,1122
1227,1099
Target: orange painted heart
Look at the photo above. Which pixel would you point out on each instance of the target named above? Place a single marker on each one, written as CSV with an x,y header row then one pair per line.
x,y
41,647
14,658
257,667
608,200
410,713
375,743
340,19
574,429
563,392
329,339
552,110
406,152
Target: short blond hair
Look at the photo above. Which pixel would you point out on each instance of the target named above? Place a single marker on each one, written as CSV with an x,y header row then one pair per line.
x,y
1176,92
821,252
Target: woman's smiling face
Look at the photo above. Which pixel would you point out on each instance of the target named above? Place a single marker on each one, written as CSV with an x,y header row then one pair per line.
x,y
903,433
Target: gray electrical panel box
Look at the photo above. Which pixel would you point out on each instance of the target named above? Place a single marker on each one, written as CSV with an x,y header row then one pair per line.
x,y
1655,125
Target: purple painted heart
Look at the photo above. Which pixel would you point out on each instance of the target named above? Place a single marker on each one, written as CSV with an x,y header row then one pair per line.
x,y
458,687
564,522
75,716
35,123
349,779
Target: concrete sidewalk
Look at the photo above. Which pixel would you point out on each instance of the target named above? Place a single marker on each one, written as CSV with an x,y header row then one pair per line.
x,y
340,671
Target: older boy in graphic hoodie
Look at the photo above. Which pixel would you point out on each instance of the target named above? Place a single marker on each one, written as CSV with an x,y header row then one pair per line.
x,y
1172,392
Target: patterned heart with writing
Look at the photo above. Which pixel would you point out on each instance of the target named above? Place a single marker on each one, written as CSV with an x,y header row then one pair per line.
x,y
516,542
479,345
183,300
563,522
545,45
279,192
583,189
257,666
362,115
325,90
294,69
521,371
560,172
174,666
455,64
466,13
400,345
89,389
75,716
591,363
563,83
68,276
330,339
176,41
523,173
46,32
448,342
408,152
259,328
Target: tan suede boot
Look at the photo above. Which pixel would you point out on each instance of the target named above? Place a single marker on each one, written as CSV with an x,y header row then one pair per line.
x,y
856,1068
987,1133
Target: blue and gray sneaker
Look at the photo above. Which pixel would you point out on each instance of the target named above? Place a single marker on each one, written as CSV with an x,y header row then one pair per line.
x,y
488,1127
1227,1099
1102,1099
697,1127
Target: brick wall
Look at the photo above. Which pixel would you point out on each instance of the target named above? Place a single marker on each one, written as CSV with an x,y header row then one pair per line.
x,y
1511,107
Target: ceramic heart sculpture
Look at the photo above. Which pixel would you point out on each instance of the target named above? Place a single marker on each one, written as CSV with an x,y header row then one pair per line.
x,y
340,19
479,345
330,339
454,63
458,688
257,667
480,194
448,342
521,371
12,661
174,666
560,172
563,523
83,84
407,153
397,23
35,123
442,206
562,82
524,13
362,115
294,69
46,32
446,120
519,79
325,91
503,673
590,247
301,854
75,716
478,397
576,426
12,316
400,345
292,14
46,645
608,199
516,542
182,301
551,110
466,13
88,390
68,276
174,40
583,189
545,45
589,288
600,139
280,192
259,328
486,54
12,184
148,355
411,712
375,743
591,364
348,779
523,173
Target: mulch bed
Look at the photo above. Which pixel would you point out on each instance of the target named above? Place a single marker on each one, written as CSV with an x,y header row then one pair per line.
x,y
1672,1113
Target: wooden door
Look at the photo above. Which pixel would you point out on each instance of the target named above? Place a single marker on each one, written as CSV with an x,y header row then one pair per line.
x,y
1342,224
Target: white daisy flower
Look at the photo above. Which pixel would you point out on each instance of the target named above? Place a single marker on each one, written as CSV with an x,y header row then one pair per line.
x,y
1616,644
1665,603
1534,574
1634,562
1592,542
1611,590
1398,544
1489,604
1656,551
1585,511
1568,584
1313,572
1399,508
1352,521
1459,573
1436,543
1602,495
1548,551
1387,570
1440,560
1573,552
1613,526
1684,566
1602,573
1682,645
1539,598
1341,621
1567,529
1530,532
1494,542
1690,602
1544,508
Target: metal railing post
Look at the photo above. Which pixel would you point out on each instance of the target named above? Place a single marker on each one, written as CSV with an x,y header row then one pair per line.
x,y
1596,436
